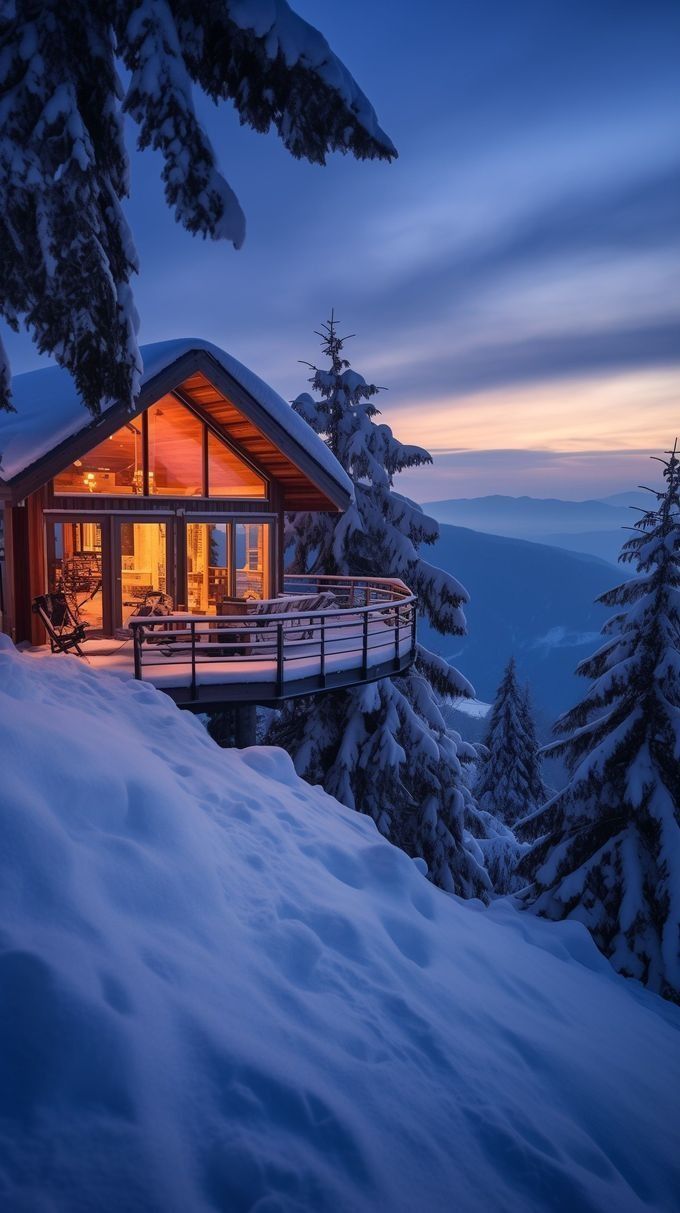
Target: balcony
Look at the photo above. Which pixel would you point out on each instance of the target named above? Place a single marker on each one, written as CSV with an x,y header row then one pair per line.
x,y
272,650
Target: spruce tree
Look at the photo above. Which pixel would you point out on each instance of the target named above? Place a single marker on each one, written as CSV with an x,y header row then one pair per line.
x,y
537,788
509,784
608,853
384,748
66,252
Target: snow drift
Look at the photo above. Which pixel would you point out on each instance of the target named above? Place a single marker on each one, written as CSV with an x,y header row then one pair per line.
x,y
222,991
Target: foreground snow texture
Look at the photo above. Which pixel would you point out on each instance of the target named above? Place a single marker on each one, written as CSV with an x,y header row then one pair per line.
x,y
222,990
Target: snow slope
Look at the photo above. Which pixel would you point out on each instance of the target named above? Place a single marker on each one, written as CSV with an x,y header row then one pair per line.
x,y
222,991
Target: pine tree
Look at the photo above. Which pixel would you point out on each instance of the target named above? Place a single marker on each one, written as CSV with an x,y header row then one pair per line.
x,y
384,748
538,790
509,784
609,851
66,252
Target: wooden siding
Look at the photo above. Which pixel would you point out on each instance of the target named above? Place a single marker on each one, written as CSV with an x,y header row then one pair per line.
x,y
93,504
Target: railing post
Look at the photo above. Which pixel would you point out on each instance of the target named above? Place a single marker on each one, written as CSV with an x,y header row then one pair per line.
x,y
397,625
364,662
322,652
279,660
414,621
193,659
137,650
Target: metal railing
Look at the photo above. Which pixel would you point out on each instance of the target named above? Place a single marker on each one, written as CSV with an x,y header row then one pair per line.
x,y
369,631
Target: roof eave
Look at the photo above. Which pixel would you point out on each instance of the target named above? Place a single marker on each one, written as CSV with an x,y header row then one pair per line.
x,y
49,465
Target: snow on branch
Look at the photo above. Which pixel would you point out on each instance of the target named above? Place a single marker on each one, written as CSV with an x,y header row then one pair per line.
x,y
66,252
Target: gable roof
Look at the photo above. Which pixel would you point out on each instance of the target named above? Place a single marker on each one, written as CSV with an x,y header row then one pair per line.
x,y
51,425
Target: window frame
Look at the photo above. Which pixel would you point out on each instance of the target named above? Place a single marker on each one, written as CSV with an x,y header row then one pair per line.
x,y
231,521
208,427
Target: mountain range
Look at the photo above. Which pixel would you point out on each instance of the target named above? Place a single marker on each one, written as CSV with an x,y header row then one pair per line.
x,y
596,527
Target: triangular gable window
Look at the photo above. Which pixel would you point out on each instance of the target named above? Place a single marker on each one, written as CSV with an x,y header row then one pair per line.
x,y
168,451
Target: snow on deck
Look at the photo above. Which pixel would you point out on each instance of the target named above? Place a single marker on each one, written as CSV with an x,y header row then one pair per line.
x,y
302,659
49,410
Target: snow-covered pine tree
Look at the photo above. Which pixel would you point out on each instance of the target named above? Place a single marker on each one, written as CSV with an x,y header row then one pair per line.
x,y
538,789
509,784
384,748
609,850
66,252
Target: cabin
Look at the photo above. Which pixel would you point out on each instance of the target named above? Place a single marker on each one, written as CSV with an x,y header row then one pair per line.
x,y
181,501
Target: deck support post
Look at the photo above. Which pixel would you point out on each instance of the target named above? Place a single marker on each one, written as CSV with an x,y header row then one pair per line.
x,y
245,726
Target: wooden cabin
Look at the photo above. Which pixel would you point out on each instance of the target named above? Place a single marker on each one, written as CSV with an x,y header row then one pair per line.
x,y
185,495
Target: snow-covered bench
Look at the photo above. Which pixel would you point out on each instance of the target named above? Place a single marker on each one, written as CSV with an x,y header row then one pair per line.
x,y
304,605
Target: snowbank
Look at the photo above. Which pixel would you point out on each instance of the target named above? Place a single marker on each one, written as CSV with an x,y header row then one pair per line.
x,y
222,991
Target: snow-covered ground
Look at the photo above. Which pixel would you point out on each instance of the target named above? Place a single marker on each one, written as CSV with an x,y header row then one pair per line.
x,y
223,991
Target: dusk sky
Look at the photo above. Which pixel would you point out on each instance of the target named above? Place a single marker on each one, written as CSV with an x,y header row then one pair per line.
x,y
513,279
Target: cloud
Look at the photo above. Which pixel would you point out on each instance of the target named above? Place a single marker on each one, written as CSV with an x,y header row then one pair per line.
x,y
625,217
536,359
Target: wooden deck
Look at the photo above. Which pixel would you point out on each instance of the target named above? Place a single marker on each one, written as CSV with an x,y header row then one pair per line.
x,y
274,651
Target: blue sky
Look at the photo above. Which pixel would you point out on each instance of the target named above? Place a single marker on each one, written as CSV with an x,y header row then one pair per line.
x,y
513,278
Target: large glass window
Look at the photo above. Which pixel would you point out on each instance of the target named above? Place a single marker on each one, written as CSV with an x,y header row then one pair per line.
x,y
229,476
74,565
226,560
207,567
175,450
114,466
251,559
184,458
143,551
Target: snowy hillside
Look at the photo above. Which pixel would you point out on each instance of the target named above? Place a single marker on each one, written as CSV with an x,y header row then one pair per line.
x,y
222,991
535,601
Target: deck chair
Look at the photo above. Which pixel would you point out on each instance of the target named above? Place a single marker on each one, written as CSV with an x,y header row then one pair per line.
x,y
61,625
156,603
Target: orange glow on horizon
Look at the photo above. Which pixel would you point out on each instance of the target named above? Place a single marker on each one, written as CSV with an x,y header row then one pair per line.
x,y
632,411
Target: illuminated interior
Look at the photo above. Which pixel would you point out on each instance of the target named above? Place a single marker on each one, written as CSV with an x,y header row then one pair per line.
x,y
226,560
229,476
113,467
74,565
143,548
167,451
251,559
175,450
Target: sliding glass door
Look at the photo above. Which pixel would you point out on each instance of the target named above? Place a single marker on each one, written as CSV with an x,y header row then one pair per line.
x,y
226,560
251,560
74,566
143,564
106,567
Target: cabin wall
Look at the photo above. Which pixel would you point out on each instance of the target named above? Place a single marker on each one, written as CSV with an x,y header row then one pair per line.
x,y
24,572
176,513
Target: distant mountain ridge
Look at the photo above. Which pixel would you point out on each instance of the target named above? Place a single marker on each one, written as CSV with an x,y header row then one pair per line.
x,y
535,514
595,527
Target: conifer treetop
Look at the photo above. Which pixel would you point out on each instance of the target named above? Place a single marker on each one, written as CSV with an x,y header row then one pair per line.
x,y
510,785
380,520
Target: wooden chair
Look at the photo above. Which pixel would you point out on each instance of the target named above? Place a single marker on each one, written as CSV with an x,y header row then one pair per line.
x,y
61,625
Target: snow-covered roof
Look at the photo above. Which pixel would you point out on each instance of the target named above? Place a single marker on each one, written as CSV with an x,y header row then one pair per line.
x,y
49,410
